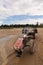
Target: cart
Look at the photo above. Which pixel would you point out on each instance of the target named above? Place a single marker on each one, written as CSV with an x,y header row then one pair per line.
x,y
21,44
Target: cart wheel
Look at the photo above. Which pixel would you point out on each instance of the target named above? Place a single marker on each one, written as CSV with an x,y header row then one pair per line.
x,y
18,54
32,47
34,36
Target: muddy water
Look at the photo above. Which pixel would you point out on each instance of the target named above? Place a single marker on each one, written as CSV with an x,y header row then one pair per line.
x,y
26,58
6,38
5,44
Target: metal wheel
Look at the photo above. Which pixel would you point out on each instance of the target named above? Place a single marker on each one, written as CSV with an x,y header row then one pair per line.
x,y
32,47
18,54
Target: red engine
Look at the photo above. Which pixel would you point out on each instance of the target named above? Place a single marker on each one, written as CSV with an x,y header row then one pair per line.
x,y
18,44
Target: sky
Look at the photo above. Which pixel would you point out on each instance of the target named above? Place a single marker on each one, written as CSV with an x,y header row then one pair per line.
x,y
21,11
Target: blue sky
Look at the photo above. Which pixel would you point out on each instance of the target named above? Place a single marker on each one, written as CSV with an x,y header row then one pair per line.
x,y
18,18
21,11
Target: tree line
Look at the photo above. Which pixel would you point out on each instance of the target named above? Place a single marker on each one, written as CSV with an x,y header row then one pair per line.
x,y
20,26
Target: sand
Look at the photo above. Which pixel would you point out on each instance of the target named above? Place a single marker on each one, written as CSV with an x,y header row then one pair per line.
x,y
7,54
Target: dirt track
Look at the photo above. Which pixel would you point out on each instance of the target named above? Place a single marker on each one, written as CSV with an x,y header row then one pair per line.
x,y
28,59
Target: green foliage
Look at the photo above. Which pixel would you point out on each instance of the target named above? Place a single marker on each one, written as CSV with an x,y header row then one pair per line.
x,y
20,26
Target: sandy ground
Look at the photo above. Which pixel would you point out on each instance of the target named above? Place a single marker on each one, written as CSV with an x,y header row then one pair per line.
x,y
15,31
7,54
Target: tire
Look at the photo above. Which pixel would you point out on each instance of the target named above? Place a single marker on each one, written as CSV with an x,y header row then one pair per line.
x,y
22,31
34,36
35,30
18,54
32,47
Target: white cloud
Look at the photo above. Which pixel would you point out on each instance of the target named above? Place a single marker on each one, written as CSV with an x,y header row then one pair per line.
x,y
18,7
28,21
1,22
14,7
40,21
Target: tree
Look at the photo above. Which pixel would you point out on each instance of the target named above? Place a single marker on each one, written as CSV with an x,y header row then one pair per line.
x,y
37,24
